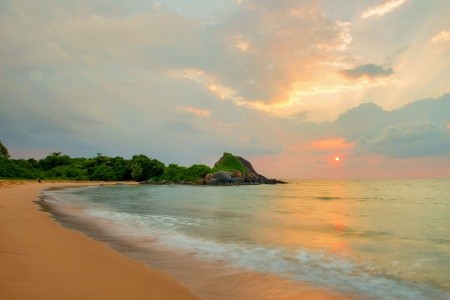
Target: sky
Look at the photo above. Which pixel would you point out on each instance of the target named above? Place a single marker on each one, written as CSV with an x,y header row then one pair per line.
x,y
289,85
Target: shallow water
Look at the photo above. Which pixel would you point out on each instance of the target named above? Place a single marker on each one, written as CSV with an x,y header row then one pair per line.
x,y
381,239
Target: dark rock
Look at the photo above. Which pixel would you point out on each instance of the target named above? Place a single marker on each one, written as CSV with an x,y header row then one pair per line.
x,y
239,180
146,182
223,177
254,177
251,171
220,177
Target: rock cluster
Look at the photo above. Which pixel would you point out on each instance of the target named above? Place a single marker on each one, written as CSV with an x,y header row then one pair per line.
x,y
251,177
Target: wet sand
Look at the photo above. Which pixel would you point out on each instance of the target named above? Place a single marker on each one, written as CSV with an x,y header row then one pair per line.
x,y
41,260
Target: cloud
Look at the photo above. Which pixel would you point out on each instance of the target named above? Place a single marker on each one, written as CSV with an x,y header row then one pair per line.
x,y
411,140
331,144
443,36
198,111
370,71
383,8
363,121
84,77
298,116
257,54
265,49
416,129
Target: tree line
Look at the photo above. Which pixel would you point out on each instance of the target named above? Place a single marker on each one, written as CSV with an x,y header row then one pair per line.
x,y
104,168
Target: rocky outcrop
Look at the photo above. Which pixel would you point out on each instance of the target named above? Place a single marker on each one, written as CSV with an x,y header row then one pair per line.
x,y
228,170
244,174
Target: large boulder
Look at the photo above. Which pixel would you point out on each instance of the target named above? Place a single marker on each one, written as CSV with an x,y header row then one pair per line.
x,y
219,177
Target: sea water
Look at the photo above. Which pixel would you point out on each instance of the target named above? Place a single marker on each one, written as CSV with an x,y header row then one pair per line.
x,y
377,239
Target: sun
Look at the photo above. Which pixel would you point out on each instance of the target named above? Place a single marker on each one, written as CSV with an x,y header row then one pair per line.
x,y
337,158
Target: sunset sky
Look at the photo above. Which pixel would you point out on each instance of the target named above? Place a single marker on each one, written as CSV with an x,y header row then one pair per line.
x,y
288,84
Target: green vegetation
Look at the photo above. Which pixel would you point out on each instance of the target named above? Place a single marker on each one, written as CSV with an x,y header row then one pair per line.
x,y
144,168
101,167
174,172
230,163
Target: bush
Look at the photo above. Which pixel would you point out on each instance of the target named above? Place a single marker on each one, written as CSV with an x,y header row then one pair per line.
x,y
54,160
67,172
196,172
178,173
17,169
175,173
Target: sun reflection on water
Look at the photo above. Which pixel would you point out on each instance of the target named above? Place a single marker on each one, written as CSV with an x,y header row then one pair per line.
x,y
305,220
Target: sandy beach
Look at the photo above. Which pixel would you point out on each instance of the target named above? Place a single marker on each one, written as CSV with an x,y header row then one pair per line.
x,y
41,260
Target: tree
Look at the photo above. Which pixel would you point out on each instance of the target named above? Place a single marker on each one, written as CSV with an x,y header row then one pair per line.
x,y
54,160
196,172
144,168
103,172
121,168
20,168
4,154
67,172
175,173
178,173
101,159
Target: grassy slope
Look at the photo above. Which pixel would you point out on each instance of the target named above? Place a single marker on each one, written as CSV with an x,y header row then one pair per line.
x,y
230,163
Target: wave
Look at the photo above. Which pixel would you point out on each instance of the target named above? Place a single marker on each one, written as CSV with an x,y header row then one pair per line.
x,y
315,267
327,198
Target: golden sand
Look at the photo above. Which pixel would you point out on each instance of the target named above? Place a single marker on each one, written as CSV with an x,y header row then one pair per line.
x,y
41,260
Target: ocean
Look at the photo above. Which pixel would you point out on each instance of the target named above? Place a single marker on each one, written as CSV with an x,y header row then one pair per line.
x,y
367,239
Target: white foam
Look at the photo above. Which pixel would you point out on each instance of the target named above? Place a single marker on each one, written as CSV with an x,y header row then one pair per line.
x,y
320,268
302,265
155,222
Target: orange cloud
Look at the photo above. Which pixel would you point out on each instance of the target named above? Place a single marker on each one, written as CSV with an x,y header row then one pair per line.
x,y
331,144
383,8
443,36
197,111
241,43
210,83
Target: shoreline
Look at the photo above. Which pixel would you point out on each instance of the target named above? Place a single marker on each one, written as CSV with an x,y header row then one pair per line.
x,y
52,260
39,259
206,279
